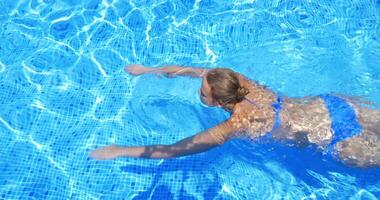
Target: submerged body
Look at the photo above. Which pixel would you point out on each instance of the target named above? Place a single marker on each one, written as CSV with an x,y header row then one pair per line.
x,y
332,123
353,138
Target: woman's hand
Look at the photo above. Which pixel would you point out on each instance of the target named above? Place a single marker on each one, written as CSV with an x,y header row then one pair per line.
x,y
106,153
169,71
136,69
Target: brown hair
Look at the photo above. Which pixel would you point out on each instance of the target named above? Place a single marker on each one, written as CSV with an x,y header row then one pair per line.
x,y
225,86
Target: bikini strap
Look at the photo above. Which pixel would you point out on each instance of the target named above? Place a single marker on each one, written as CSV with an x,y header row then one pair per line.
x,y
251,101
277,121
277,107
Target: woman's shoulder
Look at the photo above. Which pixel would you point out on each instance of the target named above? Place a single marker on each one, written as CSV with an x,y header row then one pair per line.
x,y
246,125
254,121
243,80
254,86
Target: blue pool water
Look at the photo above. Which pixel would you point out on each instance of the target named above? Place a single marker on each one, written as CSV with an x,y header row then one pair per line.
x,y
63,93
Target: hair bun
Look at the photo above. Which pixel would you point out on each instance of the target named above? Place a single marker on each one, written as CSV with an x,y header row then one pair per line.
x,y
241,93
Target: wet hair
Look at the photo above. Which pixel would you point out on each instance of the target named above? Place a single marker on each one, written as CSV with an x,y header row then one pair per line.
x,y
225,86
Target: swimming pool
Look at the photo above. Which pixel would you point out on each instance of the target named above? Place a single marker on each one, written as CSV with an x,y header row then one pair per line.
x,y
63,93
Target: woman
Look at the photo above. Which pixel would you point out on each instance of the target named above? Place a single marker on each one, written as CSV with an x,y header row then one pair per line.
x,y
332,123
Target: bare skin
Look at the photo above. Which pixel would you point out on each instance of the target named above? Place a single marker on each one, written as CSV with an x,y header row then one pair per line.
x,y
363,150
303,121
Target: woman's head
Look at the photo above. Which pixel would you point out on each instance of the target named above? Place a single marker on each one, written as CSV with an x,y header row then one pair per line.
x,y
221,87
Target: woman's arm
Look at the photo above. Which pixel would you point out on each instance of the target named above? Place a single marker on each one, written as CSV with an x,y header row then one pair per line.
x,y
169,71
195,144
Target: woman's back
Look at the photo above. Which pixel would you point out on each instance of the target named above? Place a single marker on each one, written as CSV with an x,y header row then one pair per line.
x,y
305,120
301,120
335,124
255,116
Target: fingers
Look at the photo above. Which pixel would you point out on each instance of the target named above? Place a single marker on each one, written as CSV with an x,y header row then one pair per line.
x,y
134,69
104,153
96,155
126,68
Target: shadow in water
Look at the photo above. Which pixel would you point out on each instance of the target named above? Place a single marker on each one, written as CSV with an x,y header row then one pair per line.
x,y
301,161
196,165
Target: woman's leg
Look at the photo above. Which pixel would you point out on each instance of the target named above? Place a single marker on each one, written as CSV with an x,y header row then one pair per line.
x,y
362,150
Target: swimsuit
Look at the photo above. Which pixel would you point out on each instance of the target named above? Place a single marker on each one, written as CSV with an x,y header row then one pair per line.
x,y
276,108
344,122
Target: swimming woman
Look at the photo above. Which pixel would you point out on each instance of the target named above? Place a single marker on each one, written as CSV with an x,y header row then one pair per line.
x,y
332,123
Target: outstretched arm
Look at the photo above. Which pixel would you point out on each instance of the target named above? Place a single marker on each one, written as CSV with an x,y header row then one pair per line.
x,y
195,144
169,71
